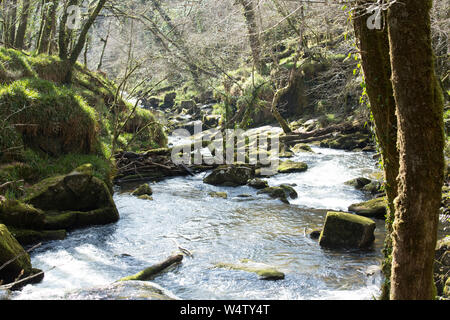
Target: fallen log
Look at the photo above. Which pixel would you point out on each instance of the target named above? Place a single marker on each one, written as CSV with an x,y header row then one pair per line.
x,y
151,272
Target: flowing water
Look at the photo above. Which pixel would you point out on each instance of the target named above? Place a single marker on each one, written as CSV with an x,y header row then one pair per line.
x,y
222,230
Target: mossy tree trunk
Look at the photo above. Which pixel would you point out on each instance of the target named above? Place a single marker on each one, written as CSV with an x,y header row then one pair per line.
x,y
375,60
23,24
421,142
253,34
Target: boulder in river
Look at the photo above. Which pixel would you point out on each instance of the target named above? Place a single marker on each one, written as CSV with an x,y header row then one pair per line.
x,y
358,183
374,208
230,175
264,271
77,199
289,166
143,189
301,147
282,192
258,183
20,263
346,230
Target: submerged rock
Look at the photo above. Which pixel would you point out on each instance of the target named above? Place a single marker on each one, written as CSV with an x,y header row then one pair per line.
x,y
289,166
374,208
264,271
143,189
315,234
145,197
346,230
215,194
124,290
230,175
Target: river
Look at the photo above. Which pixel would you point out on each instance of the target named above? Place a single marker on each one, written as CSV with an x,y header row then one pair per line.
x,y
222,230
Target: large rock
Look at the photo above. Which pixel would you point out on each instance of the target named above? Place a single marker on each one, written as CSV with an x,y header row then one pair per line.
x,y
20,263
442,267
230,175
375,208
289,166
346,230
16,214
77,199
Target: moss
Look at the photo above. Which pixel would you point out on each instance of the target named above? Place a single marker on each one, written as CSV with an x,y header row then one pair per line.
x,y
17,214
52,118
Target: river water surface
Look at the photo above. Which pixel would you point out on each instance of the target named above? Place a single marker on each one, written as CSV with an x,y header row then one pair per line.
x,y
222,230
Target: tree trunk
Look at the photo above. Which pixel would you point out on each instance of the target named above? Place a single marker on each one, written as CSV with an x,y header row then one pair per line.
x,y
253,34
375,61
63,33
23,24
78,48
421,142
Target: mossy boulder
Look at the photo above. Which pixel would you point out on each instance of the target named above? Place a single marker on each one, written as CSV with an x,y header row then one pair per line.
x,y
358,140
346,230
281,192
143,189
215,194
301,147
258,183
374,208
10,249
230,175
77,199
358,183
264,271
374,187
442,267
14,213
289,166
